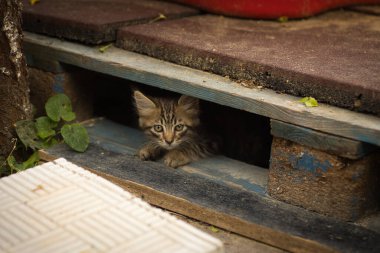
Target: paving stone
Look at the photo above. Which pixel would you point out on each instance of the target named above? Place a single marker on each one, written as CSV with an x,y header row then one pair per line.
x,y
334,57
94,21
370,9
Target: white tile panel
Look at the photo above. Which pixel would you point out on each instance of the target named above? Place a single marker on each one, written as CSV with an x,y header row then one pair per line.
x,y
60,207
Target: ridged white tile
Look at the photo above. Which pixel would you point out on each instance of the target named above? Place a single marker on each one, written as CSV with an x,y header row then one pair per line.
x,y
60,207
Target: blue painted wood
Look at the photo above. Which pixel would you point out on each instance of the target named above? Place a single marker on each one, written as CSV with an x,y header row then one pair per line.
x,y
330,143
125,140
107,133
211,87
232,172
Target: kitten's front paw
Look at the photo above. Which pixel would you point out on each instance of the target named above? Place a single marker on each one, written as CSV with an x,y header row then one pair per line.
x,y
144,154
148,152
175,159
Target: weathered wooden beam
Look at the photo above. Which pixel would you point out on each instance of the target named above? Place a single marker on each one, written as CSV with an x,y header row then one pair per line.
x,y
337,145
214,88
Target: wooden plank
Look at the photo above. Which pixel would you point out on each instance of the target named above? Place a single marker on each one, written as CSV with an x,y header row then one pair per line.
x,y
330,143
207,86
246,213
126,140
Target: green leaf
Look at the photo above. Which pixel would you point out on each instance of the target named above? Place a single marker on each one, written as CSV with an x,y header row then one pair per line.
x,y
75,135
309,101
214,229
105,47
44,126
33,2
159,17
12,163
59,107
26,131
283,19
50,142
32,161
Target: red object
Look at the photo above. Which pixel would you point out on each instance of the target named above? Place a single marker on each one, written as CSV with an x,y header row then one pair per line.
x,y
271,9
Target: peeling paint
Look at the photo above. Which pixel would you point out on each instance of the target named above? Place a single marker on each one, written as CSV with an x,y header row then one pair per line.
x,y
58,85
307,162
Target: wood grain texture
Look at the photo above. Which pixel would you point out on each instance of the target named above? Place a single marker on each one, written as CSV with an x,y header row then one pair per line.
x,y
260,218
211,87
330,143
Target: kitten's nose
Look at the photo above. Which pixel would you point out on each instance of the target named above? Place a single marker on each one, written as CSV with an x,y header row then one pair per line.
x,y
169,141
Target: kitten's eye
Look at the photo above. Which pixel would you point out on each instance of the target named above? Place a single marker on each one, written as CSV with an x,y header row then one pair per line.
x,y
157,128
179,127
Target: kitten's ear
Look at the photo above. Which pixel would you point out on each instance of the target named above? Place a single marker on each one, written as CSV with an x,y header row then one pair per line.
x,y
189,104
144,104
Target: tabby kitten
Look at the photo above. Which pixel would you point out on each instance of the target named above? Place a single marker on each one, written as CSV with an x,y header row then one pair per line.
x,y
173,129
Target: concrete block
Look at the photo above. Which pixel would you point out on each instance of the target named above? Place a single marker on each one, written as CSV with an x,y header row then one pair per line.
x,y
322,182
75,83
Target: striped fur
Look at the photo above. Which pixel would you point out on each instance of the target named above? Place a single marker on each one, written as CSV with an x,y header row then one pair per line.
x,y
173,129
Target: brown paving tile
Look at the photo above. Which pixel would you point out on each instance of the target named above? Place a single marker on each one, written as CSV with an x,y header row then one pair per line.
x,y
370,9
334,57
94,21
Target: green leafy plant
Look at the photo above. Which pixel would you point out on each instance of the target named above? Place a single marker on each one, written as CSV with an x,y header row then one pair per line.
x,y
46,131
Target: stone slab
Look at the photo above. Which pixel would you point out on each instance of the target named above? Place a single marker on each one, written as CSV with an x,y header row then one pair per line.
x,y
333,57
94,21
370,9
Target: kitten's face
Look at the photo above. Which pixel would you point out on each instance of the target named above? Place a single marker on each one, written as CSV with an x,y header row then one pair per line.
x,y
168,122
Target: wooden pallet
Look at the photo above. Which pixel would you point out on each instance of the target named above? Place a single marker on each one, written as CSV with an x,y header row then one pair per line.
x,y
322,131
